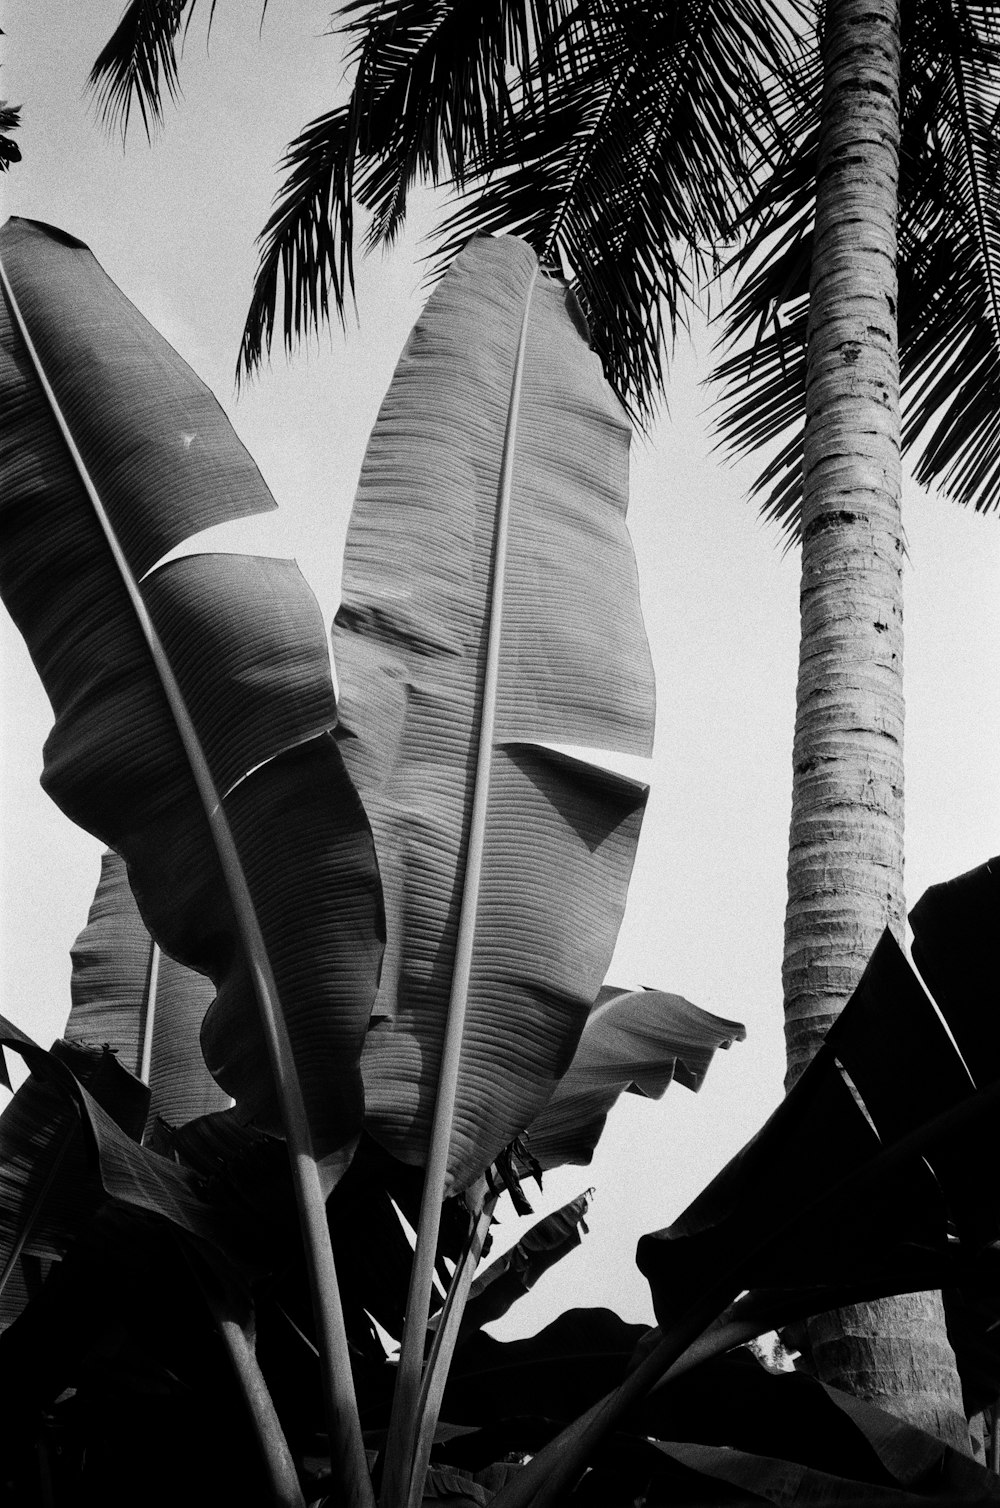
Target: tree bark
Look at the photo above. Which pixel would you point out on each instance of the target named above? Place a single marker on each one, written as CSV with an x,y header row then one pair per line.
x,y
845,877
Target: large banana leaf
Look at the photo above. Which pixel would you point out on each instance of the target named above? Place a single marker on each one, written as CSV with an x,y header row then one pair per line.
x,y
490,613
111,453
517,1271
129,995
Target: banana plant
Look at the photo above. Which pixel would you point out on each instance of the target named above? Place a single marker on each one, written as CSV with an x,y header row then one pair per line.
x,y
495,717
494,671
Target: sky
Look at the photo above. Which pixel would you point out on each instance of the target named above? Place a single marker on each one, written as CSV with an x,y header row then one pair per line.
x,y
173,223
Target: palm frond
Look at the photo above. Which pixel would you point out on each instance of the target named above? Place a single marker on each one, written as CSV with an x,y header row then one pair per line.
x,y
429,91
950,264
307,243
139,62
10,120
949,275
612,136
609,180
763,379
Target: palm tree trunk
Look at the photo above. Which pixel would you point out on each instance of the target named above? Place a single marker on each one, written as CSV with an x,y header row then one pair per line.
x,y
845,876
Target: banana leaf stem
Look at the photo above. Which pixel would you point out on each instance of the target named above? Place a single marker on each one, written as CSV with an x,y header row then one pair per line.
x,y
403,1423
276,1456
435,1376
149,1013
285,1489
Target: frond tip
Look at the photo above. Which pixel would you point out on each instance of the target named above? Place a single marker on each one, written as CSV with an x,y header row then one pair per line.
x,y
306,246
587,129
10,120
138,62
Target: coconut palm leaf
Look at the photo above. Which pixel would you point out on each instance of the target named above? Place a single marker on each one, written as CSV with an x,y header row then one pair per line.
x,y
949,272
137,1000
10,120
139,60
430,90
431,93
585,129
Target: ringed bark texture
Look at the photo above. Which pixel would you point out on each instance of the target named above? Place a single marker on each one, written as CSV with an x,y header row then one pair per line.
x,y
845,878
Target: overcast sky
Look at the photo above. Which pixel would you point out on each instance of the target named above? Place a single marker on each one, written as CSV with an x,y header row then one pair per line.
x,y
174,225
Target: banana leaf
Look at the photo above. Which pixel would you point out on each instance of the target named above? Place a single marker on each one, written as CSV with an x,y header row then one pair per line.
x,y
121,1329
49,1184
517,1271
492,662
141,1003
730,1423
106,1159
635,1040
213,669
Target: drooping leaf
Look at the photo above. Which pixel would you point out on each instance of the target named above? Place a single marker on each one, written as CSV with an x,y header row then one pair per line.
x,y
49,1185
515,1273
139,59
132,997
495,390
554,1374
638,1040
763,1221
125,1171
240,638
954,947
121,1324
854,1178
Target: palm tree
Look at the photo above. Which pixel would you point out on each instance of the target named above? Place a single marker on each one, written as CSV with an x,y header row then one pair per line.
x,y
625,140
845,872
